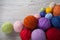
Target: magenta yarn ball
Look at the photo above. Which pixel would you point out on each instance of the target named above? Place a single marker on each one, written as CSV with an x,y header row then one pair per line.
x,y
18,26
44,23
38,34
37,16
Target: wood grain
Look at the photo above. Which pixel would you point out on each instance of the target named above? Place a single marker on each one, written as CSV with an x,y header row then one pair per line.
x,y
12,10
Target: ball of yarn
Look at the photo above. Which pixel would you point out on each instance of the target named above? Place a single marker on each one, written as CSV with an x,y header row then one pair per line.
x,y
56,21
52,4
48,10
18,26
56,10
25,34
44,23
49,15
38,34
30,22
7,27
37,16
42,9
42,13
53,34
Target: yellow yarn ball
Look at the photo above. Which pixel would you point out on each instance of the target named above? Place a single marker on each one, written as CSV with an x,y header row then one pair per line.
x,y
48,10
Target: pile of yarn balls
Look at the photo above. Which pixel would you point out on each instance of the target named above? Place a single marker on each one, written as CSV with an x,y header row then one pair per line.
x,y
43,26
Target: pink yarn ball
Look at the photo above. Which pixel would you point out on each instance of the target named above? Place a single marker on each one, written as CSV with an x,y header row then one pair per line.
x,y
18,26
37,16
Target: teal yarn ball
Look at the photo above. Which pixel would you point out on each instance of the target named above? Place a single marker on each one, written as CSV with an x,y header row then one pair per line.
x,y
56,22
49,15
7,27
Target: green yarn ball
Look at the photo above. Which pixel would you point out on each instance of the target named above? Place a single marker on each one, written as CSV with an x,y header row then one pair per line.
x,y
7,27
42,9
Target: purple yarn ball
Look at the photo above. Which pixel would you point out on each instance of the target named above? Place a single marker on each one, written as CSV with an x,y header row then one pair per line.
x,y
38,34
44,23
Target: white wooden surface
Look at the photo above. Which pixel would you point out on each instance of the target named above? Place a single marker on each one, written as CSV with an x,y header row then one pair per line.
x,y
12,10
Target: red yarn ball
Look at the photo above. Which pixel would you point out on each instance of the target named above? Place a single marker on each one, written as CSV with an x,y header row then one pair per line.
x,y
53,34
30,22
25,34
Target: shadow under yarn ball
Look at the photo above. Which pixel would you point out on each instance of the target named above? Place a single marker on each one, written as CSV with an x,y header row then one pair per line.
x,y
25,34
56,10
53,34
30,22
38,34
56,21
44,23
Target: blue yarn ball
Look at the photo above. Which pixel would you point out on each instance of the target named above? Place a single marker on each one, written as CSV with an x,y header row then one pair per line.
x,y
42,14
49,15
56,21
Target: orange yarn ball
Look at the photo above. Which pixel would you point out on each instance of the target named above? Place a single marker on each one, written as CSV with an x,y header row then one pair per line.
x,y
30,22
56,10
